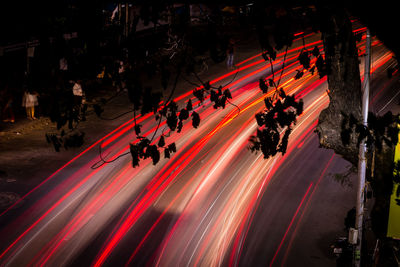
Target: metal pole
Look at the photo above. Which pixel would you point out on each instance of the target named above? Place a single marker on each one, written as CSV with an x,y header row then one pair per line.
x,y
362,151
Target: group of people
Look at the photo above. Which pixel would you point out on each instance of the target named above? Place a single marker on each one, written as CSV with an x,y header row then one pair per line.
x,y
29,101
30,98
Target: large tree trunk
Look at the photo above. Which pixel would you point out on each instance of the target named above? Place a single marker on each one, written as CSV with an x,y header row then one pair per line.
x,y
345,98
344,83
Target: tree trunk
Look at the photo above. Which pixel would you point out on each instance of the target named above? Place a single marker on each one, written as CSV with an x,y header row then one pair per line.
x,y
344,83
345,99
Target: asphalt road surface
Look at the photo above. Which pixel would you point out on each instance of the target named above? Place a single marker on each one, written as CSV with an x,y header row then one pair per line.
x,y
213,203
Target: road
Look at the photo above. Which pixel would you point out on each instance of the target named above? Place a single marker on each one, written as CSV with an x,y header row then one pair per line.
x,y
213,203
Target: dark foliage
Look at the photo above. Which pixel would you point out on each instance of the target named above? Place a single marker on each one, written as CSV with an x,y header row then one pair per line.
x,y
278,116
304,59
263,86
380,130
150,101
134,149
189,106
195,119
199,94
138,129
298,75
161,141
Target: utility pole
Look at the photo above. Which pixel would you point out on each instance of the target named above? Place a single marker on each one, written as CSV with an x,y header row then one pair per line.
x,y
362,161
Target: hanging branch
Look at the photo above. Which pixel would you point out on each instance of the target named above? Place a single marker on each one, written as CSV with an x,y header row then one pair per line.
x,y
278,117
104,161
283,66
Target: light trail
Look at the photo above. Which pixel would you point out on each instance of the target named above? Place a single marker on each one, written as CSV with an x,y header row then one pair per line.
x,y
293,236
212,179
290,225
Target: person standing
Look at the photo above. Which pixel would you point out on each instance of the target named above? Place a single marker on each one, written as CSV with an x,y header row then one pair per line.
x,y
29,101
230,53
78,97
120,76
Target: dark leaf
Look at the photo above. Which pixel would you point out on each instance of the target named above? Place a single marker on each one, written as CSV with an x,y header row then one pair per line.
x,y
222,101
284,142
163,112
315,51
195,119
263,86
304,59
268,103
282,93
290,102
137,129
183,114
135,155
260,119
172,147
272,55
199,94
227,94
265,56
152,150
298,75
167,155
172,121
189,106
172,107
213,96
180,126
207,85
219,91
299,108
142,145
161,142
271,83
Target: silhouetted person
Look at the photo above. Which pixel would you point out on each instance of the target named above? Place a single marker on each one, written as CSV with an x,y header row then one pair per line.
x,y
230,53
